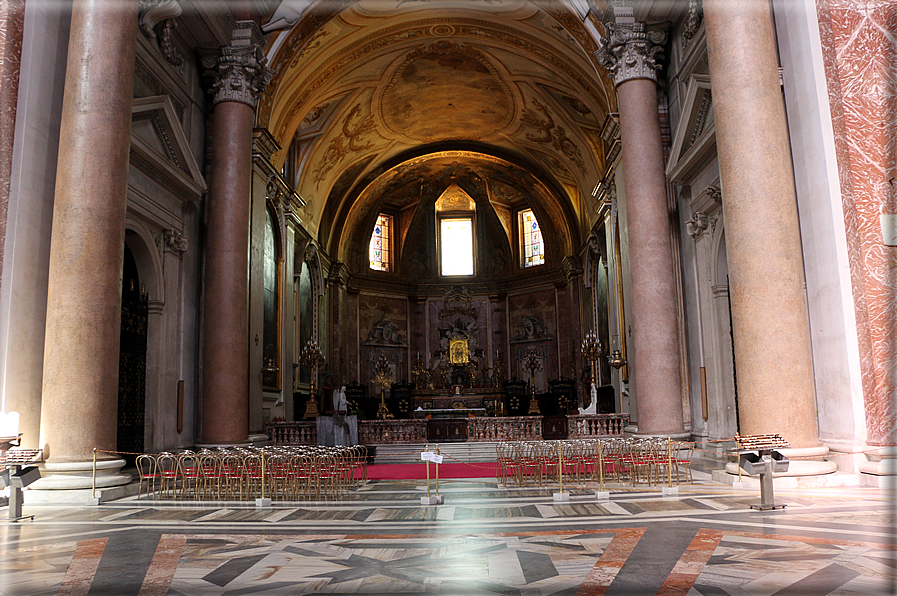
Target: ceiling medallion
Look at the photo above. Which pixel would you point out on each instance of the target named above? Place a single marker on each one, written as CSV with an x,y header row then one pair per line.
x,y
446,91
442,31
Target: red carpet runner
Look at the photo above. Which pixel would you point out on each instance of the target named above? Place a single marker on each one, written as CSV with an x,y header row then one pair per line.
x,y
419,471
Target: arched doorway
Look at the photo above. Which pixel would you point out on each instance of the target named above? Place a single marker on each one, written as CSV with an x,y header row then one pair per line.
x,y
132,362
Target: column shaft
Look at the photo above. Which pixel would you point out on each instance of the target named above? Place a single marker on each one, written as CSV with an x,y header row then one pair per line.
x,y
776,392
655,331
80,378
225,396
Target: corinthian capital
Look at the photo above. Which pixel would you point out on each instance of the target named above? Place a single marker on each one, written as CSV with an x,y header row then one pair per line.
x,y
631,51
240,72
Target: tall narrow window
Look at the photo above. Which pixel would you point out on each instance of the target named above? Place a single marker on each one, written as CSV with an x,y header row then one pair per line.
x,y
379,253
533,249
271,308
456,245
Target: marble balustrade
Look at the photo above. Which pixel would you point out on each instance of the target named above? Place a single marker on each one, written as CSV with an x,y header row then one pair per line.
x,y
509,428
586,426
384,432
480,429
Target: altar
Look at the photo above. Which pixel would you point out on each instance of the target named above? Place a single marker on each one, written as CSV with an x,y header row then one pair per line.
x,y
490,401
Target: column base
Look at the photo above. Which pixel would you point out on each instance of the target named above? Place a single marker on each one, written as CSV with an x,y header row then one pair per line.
x,y
78,476
799,467
675,436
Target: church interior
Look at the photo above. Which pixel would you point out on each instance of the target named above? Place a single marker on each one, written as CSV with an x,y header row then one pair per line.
x,y
239,224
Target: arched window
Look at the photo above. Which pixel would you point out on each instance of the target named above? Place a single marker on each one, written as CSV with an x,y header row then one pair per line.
x,y
532,249
271,309
455,225
379,252
456,245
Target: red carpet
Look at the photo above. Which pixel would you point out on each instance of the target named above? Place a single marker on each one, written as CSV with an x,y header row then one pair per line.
x,y
419,471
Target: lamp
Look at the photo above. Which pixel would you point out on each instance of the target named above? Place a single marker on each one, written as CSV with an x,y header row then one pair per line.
x,y
381,379
533,363
312,356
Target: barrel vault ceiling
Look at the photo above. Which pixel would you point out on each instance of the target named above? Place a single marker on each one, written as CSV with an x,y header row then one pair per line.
x,y
379,102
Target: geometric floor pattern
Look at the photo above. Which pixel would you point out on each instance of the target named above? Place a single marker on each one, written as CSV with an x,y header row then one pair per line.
x,y
484,540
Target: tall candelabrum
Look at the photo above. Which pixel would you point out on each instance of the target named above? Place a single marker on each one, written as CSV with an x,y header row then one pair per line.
x,y
592,351
533,362
381,380
311,355
420,373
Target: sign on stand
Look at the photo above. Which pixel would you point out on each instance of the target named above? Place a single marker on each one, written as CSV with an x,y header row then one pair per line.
x,y
432,456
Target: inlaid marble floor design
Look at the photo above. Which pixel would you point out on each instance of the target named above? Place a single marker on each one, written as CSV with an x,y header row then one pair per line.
x,y
484,540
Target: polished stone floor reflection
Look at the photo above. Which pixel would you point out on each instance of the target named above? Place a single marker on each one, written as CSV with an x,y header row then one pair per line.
x,y
485,539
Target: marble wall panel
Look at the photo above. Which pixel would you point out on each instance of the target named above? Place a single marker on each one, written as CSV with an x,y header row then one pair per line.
x,y
859,49
541,306
477,326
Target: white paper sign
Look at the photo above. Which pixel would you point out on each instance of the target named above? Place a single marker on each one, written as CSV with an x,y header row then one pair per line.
x,y
430,456
436,458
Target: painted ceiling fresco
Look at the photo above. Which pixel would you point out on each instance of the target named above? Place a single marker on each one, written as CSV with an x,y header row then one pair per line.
x,y
368,92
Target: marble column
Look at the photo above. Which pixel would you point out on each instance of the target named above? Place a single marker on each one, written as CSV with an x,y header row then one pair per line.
x,y
770,325
630,53
239,77
80,375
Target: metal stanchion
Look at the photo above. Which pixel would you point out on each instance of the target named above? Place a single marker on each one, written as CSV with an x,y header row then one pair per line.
x,y
561,495
601,494
263,502
670,489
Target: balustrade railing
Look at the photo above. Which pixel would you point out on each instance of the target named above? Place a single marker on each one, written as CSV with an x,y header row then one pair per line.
x,y
588,426
292,433
405,431
509,428
385,432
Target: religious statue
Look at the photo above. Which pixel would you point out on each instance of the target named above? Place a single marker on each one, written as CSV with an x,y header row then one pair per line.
x,y
593,407
339,400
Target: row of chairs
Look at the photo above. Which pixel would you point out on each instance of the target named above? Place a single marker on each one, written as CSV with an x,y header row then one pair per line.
x,y
293,472
636,461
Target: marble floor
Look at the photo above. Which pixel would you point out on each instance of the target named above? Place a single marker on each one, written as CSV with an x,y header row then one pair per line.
x,y
484,540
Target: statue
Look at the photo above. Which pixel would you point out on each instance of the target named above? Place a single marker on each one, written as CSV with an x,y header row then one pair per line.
x,y
593,407
339,400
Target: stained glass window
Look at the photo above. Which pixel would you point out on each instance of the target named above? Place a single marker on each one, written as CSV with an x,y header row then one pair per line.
x,y
456,245
531,239
378,252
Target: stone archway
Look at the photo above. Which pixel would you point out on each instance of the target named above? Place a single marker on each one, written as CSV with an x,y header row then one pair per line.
x,y
132,362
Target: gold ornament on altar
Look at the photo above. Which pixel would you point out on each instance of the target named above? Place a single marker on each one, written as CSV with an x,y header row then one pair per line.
x,y
533,362
381,379
459,351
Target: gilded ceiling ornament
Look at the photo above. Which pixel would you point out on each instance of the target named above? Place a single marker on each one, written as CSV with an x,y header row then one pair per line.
x,y
345,143
446,90
368,45
630,51
550,133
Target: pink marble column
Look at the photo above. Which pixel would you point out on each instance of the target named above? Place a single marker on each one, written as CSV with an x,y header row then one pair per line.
x,y
239,76
80,378
12,17
630,56
776,392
